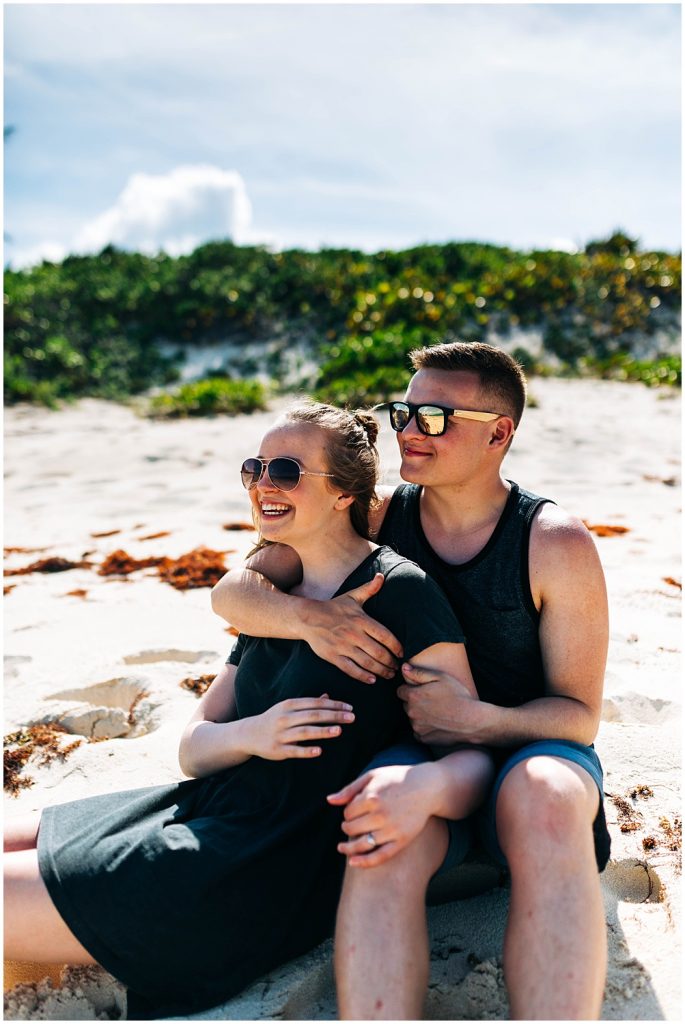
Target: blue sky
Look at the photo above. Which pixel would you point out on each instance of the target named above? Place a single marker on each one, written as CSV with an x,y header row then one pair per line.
x,y
355,125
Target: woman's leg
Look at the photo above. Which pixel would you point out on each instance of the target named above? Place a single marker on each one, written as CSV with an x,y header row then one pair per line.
x,y
34,930
21,833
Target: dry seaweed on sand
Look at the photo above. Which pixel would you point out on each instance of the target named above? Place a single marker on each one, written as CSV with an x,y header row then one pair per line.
x,y
673,583
105,533
238,526
76,593
10,586
642,791
628,817
43,740
54,564
605,529
201,567
670,481
134,704
120,563
197,684
23,551
155,536
232,630
673,833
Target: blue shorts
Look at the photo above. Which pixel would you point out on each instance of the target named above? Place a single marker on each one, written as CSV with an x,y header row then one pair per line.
x,y
482,825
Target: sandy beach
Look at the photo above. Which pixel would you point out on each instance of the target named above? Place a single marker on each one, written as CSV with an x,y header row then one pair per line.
x,y
105,656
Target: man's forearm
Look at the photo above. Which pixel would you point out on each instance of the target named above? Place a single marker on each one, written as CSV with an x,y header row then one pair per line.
x,y
553,717
462,780
250,602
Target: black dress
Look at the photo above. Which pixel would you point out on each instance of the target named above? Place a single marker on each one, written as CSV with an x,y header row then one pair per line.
x,y
188,892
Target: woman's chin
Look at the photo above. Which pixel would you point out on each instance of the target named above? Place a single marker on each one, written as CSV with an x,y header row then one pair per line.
x,y
274,530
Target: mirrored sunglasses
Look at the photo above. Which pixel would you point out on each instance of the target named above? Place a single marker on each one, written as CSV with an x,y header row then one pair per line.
x,y
431,419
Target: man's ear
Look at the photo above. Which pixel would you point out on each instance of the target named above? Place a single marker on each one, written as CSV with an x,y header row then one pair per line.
x,y
502,432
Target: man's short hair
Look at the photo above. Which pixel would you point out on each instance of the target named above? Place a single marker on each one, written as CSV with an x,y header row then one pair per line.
x,y
501,378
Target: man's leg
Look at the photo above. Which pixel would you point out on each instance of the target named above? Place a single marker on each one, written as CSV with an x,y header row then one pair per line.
x,y
555,942
381,938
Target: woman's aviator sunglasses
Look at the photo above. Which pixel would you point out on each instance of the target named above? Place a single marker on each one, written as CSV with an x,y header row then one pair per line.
x,y
284,473
430,419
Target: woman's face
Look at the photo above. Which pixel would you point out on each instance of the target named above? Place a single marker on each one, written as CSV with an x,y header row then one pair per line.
x,y
286,515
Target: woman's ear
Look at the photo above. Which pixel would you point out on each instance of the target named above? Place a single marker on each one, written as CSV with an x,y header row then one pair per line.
x,y
344,501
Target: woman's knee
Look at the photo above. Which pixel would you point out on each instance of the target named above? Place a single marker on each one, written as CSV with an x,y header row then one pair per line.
x,y
21,832
408,871
544,800
34,929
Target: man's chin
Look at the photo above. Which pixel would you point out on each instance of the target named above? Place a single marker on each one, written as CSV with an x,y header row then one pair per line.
x,y
412,473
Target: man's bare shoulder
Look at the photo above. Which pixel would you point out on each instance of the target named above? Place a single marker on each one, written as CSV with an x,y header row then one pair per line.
x,y
553,525
279,563
561,547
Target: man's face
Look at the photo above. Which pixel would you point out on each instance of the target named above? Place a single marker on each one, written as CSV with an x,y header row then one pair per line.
x,y
457,455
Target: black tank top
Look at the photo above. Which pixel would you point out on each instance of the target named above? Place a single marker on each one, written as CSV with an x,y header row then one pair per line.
x,y
490,594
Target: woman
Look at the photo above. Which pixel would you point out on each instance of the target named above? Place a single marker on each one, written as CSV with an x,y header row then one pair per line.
x,y
188,892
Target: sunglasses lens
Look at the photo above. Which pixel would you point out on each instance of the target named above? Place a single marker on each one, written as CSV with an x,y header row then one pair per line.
x,y
250,471
430,420
284,474
399,415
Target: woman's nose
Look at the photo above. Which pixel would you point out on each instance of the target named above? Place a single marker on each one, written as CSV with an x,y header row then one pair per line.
x,y
265,483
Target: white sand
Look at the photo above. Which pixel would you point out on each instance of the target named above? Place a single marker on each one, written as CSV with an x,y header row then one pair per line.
x,y
608,452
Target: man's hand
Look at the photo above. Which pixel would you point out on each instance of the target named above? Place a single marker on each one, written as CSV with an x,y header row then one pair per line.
x,y
441,710
340,632
392,804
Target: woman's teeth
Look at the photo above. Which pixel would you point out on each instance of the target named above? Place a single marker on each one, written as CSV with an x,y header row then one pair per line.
x,y
273,511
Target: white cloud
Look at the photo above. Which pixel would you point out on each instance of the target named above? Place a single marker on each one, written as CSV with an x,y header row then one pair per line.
x,y
175,212
563,245
29,256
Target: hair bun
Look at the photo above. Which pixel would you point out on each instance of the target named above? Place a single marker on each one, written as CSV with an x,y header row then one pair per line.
x,y
369,425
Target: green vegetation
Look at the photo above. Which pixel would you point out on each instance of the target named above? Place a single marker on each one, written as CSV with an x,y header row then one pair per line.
x,y
94,325
212,395
653,372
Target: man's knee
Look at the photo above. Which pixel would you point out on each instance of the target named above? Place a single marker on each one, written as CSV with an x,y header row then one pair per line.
x,y
409,871
544,804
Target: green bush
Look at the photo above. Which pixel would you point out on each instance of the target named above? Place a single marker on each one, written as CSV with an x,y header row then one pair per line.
x,y
91,325
215,395
653,372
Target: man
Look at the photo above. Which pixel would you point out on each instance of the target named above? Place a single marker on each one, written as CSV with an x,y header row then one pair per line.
x,y
525,581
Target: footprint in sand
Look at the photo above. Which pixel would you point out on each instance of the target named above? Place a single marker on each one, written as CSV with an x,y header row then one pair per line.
x,y
108,710
168,654
636,709
633,881
12,663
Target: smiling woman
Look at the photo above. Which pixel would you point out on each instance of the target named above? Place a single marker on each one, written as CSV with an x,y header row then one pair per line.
x,y
188,892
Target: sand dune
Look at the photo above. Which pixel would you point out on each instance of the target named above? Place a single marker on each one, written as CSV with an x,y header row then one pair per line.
x,y
105,657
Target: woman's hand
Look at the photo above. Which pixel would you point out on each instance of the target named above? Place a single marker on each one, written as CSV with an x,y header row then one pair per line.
x,y
391,804
279,733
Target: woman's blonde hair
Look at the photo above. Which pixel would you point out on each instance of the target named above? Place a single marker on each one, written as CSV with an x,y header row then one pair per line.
x,y
351,454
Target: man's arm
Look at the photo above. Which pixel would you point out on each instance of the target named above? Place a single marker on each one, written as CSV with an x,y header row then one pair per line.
x,y
394,802
568,586
339,631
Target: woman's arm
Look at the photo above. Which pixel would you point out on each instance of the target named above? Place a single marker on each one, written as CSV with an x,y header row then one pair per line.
x,y
211,740
215,739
